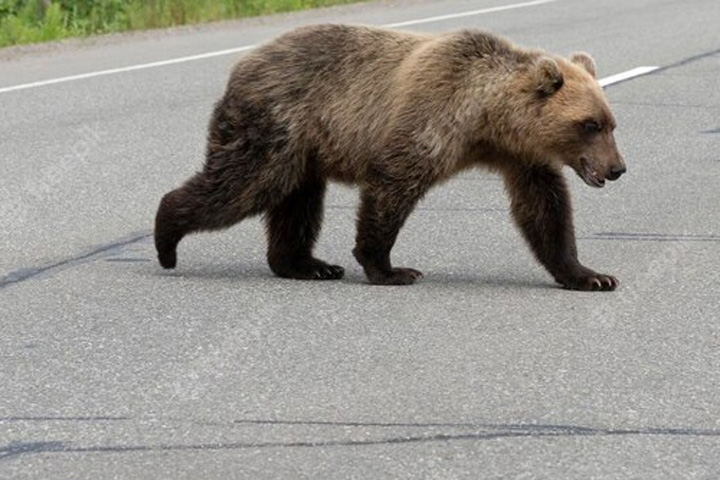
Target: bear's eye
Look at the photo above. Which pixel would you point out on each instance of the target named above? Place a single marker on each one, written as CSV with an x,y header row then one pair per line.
x,y
591,126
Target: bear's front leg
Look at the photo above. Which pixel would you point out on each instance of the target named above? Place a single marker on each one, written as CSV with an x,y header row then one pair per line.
x,y
382,214
542,210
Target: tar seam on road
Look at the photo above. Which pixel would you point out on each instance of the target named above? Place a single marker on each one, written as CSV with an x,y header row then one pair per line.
x,y
641,71
653,237
491,432
23,274
63,419
230,51
694,58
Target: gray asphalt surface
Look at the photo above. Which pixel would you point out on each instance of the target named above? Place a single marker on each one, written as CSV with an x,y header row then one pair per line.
x,y
113,368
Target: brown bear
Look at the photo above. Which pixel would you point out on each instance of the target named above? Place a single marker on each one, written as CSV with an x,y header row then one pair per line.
x,y
395,113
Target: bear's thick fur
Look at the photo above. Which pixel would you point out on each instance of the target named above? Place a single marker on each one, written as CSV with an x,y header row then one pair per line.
x,y
395,113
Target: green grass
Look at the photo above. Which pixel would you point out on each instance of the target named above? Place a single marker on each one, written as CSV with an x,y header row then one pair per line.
x,y
32,21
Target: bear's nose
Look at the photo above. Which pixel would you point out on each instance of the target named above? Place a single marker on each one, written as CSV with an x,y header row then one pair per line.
x,y
615,172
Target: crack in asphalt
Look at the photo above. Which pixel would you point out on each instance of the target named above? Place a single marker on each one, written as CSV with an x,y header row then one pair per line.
x,y
653,237
104,250
486,432
688,60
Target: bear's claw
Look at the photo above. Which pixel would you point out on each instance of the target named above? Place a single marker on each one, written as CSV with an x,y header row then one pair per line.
x,y
329,272
596,282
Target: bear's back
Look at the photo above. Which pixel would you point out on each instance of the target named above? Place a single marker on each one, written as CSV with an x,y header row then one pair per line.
x,y
319,63
329,85
340,90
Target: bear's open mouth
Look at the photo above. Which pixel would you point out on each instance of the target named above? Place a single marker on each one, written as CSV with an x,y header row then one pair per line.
x,y
590,176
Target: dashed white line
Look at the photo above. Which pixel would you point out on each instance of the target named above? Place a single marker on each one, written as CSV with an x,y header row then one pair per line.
x,y
230,51
450,16
621,77
130,68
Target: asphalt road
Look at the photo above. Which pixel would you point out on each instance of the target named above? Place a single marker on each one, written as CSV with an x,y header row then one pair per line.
x,y
113,368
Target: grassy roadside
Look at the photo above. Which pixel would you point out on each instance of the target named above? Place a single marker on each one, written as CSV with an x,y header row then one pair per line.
x,y
33,21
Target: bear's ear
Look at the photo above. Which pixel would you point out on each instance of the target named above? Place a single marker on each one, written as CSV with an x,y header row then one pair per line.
x,y
585,61
547,76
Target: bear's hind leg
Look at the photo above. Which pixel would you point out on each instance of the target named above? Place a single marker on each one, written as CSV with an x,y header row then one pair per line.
x,y
541,208
168,230
200,204
293,226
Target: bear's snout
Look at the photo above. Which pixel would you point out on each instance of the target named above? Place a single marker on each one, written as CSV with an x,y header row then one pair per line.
x,y
615,172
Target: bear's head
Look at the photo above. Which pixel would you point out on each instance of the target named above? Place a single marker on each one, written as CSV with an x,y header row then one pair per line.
x,y
573,119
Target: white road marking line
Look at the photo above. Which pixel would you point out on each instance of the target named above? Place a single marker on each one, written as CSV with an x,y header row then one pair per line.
x,y
140,66
450,16
230,51
620,77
